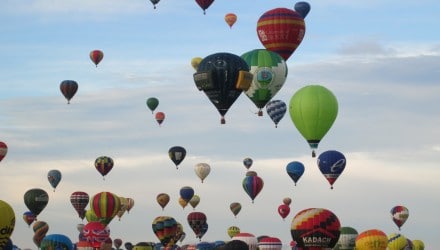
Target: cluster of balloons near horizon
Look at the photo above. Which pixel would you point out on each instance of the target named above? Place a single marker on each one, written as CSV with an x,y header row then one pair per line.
x,y
152,104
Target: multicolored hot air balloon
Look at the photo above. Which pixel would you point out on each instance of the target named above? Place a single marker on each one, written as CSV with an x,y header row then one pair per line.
x,y
56,241
40,229
223,76
399,215
165,228
104,164
105,205
3,150
117,243
54,178
204,4
247,162
397,241
313,110
130,204
68,89
96,233
269,75
331,163
276,109
28,217
230,19
372,239
163,199
197,220
281,30
315,227
96,56
36,200
295,170
252,185
79,201
270,243
202,170
152,103
235,208
347,239
177,155
7,223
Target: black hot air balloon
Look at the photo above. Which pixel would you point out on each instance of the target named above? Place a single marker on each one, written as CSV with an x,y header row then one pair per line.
x,y
68,89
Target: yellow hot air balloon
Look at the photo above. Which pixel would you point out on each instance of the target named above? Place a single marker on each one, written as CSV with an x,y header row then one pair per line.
x,y
195,62
183,203
233,230
418,245
396,241
7,222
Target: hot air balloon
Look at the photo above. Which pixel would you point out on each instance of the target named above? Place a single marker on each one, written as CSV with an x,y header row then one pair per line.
x,y
204,4
236,245
223,76
152,103
195,200
396,241
130,204
96,233
117,243
233,230
295,170
40,229
3,150
186,193
154,2
54,178
128,245
270,243
196,221
287,201
104,164
235,208
347,239
230,19
372,239
160,117
418,245
177,154
56,241
281,30
315,227
202,170
36,200
313,110
252,185
399,214
183,203
331,163
163,199
68,89
195,61
105,205
7,223
79,201
96,56
28,217
269,74
165,228
91,216
248,238
276,109
247,162
302,8
123,207
283,210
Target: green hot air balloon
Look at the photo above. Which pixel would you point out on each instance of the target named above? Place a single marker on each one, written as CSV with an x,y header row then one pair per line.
x,y
269,74
313,110
36,200
152,103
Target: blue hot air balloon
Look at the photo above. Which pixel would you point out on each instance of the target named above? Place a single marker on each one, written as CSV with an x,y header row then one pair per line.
x,y
54,178
276,109
295,170
302,8
331,163
186,193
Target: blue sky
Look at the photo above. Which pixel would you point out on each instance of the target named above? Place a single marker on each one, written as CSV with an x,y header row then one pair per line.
x,y
380,58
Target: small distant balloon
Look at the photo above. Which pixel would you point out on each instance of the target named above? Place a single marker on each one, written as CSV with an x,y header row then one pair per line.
x,y
96,56
152,103
154,2
54,178
247,162
3,150
104,164
160,117
195,62
303,8
177,154
68,89
230,19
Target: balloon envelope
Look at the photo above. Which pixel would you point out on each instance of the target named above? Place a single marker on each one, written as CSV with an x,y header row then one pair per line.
x,y
105,205
235,208
54,177
331,163
7,222
160,117
79,201
96,56
196,221
230,19
36,200
303,8
3,150
399,215
186,193
162,199
313,110
204,4
152,103
372,239
56,241
177,155
165,228
295,170
252,185
202,170
104,165
276,109
68,89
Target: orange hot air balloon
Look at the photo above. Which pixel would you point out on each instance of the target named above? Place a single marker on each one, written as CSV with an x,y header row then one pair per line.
x,y
163,199
160,117
281,30
372,239
230,19
96,56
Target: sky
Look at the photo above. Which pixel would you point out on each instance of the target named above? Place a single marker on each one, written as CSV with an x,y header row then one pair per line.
x,y
381,59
